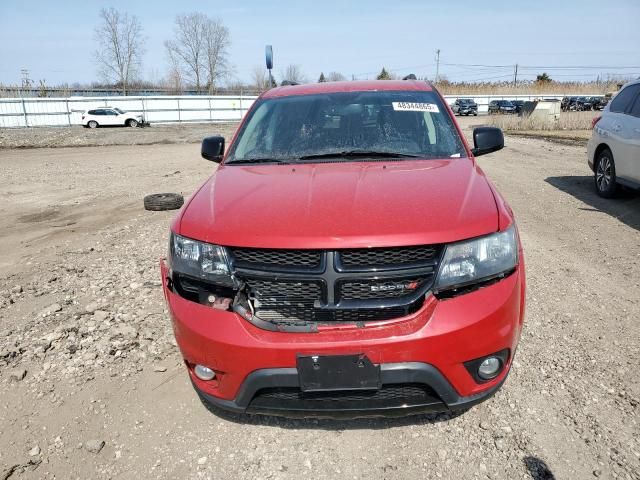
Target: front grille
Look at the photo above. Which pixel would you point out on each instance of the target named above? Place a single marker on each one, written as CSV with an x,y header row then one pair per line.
x,y
256,257
346,286
389,396
380,257
373,289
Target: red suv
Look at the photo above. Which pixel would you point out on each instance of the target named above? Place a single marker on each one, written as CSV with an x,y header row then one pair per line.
x,y
347,258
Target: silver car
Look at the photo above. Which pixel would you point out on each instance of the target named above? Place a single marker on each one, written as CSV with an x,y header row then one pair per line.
x,y
614,146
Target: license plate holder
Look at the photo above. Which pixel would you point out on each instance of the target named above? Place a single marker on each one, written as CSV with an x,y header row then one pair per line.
x,y
322,373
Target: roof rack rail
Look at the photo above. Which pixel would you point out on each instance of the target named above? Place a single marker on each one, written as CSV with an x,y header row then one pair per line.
x,y
285,83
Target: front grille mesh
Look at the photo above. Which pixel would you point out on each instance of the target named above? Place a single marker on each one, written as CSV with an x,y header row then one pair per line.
x,y
368,257
387,397
284,258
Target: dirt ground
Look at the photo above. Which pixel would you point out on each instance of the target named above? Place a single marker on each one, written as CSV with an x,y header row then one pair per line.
x,y
44,137
92,381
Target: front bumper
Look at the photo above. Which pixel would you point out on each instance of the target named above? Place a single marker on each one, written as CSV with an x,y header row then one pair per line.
x,y
440,396
427,348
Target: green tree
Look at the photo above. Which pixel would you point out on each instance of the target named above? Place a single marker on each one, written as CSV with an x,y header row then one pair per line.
x,y
543,78
383,75
322,79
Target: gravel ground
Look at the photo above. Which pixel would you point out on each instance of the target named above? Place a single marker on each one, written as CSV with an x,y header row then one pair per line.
x,y
92,381
44,137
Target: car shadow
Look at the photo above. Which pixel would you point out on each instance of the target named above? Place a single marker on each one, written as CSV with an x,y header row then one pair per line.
x,y
538,469
311,423
624,207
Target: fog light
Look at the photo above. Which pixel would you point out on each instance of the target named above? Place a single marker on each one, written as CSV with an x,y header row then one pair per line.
x,y
489,368
204,373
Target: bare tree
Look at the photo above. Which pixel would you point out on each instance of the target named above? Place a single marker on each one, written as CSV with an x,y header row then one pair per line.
x,y
259,78
217,41
120,47
200,49
336,77
293,73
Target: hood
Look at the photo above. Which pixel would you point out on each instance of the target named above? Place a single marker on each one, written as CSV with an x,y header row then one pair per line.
x,y
342,205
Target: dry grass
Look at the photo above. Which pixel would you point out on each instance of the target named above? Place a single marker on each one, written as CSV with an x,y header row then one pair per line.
x,y
526,88
569,121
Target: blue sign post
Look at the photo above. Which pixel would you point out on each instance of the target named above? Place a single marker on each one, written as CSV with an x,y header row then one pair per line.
x,y
268,53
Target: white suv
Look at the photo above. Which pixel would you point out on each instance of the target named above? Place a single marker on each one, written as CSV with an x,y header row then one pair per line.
x,y
109,116
614,148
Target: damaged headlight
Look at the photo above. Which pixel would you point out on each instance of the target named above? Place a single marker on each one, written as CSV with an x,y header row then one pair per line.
x,y
478,260
200,260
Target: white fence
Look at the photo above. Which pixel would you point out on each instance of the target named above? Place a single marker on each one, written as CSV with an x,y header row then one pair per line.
x,y
39,112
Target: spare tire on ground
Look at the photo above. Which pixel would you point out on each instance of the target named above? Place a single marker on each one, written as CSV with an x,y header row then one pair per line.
x,y
163,201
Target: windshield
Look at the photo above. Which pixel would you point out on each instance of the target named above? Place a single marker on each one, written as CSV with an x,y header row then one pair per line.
x,y
119,111
505,103
466,100
402,123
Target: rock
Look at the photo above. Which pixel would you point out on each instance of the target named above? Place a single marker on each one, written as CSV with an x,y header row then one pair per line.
x,y
35,451
100,315
17,289
499,444
92,307
485,425
51,309
597,473
442,454
159,368
94,446
125,331
202,460
17,375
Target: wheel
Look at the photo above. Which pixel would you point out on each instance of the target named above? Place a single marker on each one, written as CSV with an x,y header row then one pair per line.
x,y
605,174
92,124
475,114
132,123
163,201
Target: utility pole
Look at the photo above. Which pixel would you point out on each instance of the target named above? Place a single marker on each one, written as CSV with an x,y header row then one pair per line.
x,y
26,81
437,65
515,76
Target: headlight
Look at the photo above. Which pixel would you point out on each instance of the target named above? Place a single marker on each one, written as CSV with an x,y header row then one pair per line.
x,y
199,260
476,260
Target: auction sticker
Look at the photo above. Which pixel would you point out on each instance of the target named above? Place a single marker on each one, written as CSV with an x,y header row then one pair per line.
x,y
415,107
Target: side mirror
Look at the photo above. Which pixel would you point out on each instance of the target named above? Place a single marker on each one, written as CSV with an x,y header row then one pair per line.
x,y
487,140
213,149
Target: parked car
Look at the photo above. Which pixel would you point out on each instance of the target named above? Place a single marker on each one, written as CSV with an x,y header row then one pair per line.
x,y
576,104
584,104
614,147
109,116
465,106
518,104
597,103
501,106
348,257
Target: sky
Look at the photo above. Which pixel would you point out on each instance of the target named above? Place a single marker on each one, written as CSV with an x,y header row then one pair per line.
x,y
54,40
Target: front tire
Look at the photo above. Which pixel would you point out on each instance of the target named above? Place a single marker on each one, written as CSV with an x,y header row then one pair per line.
x,y
92,124
605,174
132,123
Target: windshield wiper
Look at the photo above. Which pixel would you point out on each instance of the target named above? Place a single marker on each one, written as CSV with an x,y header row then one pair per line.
x,y
360,153
258,160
